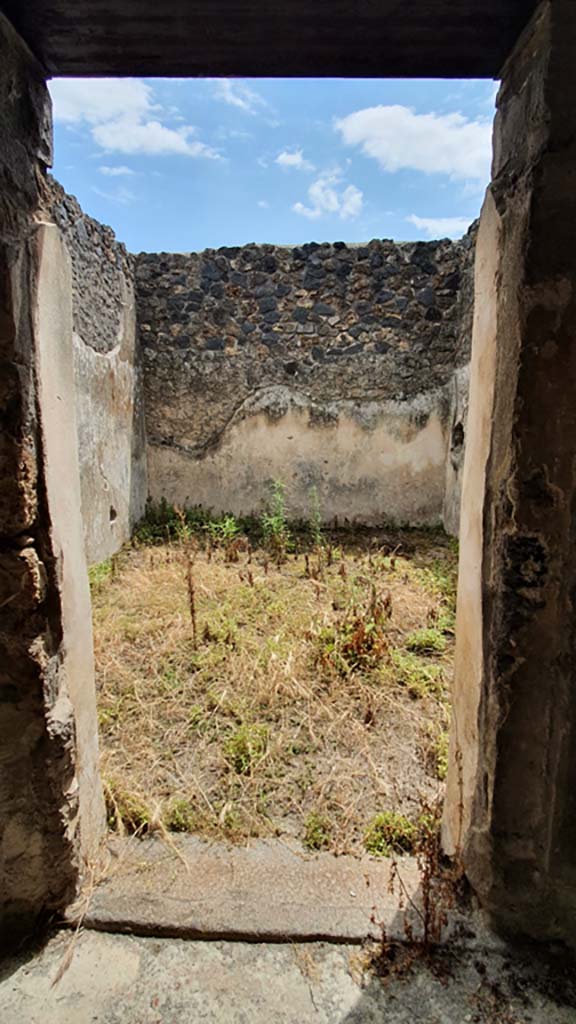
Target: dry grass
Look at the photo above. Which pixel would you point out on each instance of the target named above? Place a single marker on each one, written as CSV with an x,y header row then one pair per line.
x,y
242,698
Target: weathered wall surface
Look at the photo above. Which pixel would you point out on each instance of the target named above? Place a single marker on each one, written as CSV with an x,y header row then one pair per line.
x,y
50,806
326,366
511,803
460,386
109,408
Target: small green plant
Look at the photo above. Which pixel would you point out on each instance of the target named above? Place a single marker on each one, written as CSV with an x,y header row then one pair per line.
x,y
275,530
317,831
316,518
439,753
225,530
357,641
390,832
125,811
180,816
99,574
426,641
419,676
246,748
197,719
163,522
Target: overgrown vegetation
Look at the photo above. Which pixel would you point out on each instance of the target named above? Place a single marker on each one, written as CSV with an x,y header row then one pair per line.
x,y
263,677
389,832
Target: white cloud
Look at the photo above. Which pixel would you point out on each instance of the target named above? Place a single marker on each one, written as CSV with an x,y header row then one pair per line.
x,y
149,137
224,133
122,117
238,94
441,227
399,139
98,100
116,172
263,204
294,159
326,198
120,195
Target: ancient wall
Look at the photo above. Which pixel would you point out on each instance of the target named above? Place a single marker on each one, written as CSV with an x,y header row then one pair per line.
x,y
511,799
109,409
51,809
459,390
324,366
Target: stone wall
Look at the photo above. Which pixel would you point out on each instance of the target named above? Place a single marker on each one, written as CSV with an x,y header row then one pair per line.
x,y
325,366
110,416
51,809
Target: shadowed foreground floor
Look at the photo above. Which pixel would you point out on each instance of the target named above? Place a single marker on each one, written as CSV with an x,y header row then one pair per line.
x,y
120,979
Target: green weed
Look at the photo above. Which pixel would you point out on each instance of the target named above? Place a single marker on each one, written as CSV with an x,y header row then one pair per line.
x,y
180,816
274,522
163,522
125,811
420,678
316,518
317,831
99,574
357,641
439,753
426,641
389,833
246,748
224,530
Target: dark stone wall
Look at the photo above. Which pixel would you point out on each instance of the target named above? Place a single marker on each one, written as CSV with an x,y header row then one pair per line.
x,y
100,267
337,329
380,320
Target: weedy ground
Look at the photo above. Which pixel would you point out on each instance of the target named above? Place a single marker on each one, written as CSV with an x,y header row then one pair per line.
x,y
289,684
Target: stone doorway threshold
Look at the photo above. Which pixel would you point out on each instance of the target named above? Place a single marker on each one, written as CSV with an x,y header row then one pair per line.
x,y
269,891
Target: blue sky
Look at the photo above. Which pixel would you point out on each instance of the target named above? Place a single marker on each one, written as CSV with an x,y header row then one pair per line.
x,y
186,164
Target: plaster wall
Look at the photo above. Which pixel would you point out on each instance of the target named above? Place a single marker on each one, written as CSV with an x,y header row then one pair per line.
x,y
469,657
74,707
384,462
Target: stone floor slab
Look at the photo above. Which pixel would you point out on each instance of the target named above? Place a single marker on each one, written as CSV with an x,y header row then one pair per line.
x,y
266,891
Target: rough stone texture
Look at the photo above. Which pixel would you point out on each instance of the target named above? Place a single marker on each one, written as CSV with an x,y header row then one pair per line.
x,y
40,846
110,414
266,891
119,979
324,365
511,788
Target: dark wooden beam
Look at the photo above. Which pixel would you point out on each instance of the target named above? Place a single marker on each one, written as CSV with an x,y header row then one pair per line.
x,y
299,38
